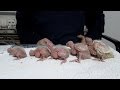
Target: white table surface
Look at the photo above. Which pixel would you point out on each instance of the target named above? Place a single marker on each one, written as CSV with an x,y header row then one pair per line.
x,y
29,68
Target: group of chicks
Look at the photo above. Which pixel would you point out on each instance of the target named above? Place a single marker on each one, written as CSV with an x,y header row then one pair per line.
x,y
86,49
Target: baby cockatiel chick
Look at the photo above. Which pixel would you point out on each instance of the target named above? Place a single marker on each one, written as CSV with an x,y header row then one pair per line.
x,y
71,45
88,41
60,52
41,52
79,49
82,52
103,50
83,40
91,48
17,51
45,42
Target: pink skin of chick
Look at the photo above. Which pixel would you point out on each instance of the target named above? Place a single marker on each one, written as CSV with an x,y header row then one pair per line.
x,y
91,48
40,52
71,45
88,41
17,52
45,42
60,52
82,52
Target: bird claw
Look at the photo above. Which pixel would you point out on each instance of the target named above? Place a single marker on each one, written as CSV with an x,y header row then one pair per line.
x,y
50,58
41,59
101,60
17,58
64,61
76,60
98,59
